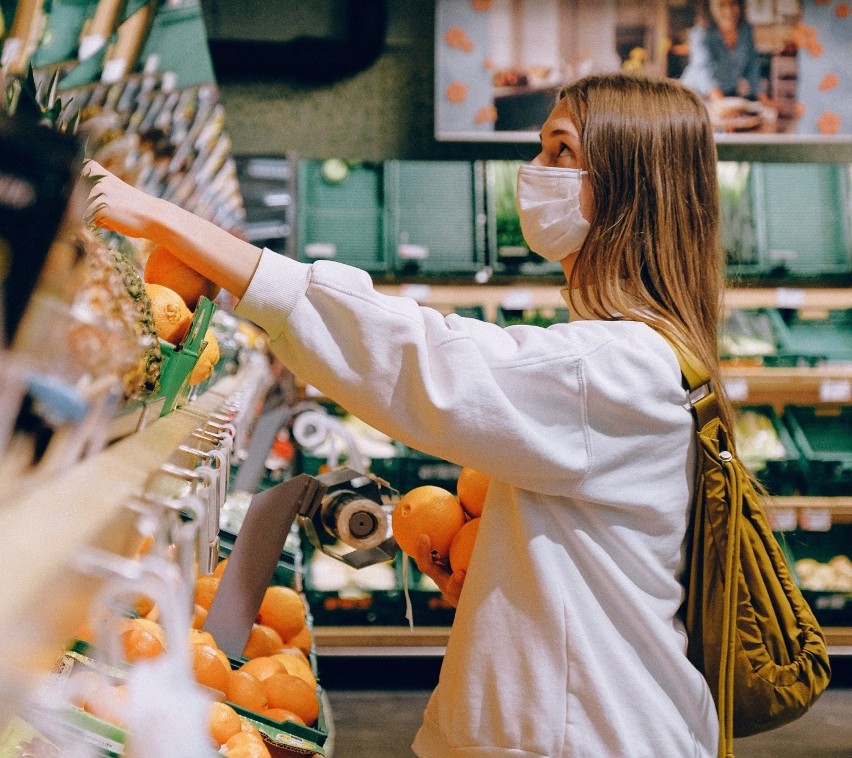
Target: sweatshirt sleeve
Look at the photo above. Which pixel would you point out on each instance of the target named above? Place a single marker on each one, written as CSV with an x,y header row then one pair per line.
x,y
508,401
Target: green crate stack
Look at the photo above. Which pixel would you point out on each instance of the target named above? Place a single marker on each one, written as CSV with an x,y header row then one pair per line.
x,y
340,213
435,216
801,229
814,341
831,605
824,436
766,447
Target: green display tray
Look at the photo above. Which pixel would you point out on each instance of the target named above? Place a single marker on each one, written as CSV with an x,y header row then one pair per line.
x,y
780,476
824,436
814,341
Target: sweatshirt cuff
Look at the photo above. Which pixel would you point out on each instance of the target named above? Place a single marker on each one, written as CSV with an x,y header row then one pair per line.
x,y
277,286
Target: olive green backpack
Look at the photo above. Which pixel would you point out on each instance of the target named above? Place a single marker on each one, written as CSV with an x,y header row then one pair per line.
x,y
751,633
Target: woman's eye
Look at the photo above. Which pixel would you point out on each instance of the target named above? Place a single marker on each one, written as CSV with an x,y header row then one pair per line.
x,y
564,150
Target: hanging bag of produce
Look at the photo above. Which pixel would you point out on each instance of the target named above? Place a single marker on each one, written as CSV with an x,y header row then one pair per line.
x,y
751,633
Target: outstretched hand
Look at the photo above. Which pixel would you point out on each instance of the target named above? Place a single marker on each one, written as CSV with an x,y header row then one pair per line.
x,y
116,205
449,582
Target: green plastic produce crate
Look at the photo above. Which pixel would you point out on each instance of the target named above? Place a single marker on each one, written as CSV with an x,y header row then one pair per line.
x,y
179,360
821,568
823,338
534,316
435,216
766,447
340,213
748,336
418,468
801,221
824,437
471,311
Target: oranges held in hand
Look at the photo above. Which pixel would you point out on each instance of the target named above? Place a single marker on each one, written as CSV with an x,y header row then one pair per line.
x,y
462,545
431,510
471,488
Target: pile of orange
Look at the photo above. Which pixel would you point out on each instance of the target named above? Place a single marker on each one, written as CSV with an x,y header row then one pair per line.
x,y
174,290
451,521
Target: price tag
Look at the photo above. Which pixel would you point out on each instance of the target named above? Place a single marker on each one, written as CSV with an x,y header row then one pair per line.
x,y
517,299
736,389
786,297
815,519
782,519
422,293
835,391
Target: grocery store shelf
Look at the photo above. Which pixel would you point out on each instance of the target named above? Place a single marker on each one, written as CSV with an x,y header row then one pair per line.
x,y
544,295
804,385
380,641
43,600
839,507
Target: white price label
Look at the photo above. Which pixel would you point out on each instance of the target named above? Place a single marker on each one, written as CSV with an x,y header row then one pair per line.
x,y
815,519
736,389
517,299
782,519
786,297
835,391
422,293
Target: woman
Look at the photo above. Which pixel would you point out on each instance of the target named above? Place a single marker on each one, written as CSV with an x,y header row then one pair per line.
x,y
723,59
566,640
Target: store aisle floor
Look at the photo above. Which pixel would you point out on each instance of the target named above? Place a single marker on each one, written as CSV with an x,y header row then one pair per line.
x,y
376,715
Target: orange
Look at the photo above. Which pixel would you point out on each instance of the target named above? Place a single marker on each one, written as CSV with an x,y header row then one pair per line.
x,y
471,488
164,267
462,545
224,722
199,616
263,640
208,359
205,589
297,667
427,509
302,640
291,650
246,745
172,318
209,668
142,640
197,636
245,690
220,568
282,714
293,694
282,609
263,667
143,605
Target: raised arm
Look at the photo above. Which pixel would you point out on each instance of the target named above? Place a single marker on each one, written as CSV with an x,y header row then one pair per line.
x,y
210,250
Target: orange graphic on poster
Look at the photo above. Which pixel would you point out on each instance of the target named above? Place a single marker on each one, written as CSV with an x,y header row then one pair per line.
x,y
457,37
804,35
828,123
456,92
488,64
799,109
842,10
486,115
829,81
481,5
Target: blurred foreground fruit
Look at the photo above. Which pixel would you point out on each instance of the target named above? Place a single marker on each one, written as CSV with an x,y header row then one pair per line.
x,y
427,510
207,361
164,268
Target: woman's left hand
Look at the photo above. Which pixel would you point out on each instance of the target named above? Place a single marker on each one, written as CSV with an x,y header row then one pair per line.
x,y
449,582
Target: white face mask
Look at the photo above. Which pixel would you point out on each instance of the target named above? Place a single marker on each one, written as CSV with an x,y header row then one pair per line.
x,y
549,210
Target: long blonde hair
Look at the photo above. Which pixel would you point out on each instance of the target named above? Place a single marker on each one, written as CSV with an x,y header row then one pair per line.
x,y
653,249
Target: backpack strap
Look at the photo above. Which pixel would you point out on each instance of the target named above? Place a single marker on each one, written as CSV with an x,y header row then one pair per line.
x,y
702,396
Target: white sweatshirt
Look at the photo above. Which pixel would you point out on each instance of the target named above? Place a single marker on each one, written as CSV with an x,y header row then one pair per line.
x,y
566,640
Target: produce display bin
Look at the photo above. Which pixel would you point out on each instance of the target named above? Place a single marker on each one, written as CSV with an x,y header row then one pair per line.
x,y
435,216
823,434
819,339
340,214
534,316
759,430
747,336
799,229
832,607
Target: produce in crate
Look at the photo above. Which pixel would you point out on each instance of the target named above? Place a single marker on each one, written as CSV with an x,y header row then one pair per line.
x,y
835,574
207,361
172,318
